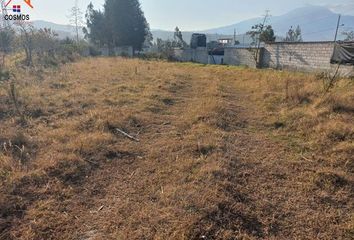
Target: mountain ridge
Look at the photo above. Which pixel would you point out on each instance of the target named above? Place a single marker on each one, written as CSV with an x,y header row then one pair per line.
x,y
317,23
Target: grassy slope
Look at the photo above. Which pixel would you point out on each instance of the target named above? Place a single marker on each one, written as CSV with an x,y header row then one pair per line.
x,y
224,152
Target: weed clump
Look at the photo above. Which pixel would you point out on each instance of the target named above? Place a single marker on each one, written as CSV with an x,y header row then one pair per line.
x,y
18,149
329,181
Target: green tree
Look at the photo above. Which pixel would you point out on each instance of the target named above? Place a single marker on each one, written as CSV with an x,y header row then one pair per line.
x,y
148,40
122,23
96,29
267,35
178,38
294,35
261,33
126,22
165,48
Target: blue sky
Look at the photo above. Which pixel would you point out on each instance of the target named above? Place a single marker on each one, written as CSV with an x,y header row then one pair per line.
x,y
191,14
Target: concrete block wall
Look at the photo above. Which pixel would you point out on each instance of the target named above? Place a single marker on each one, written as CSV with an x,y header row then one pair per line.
x,y
298,56
240,56
183,55
216,59
199,55
305,56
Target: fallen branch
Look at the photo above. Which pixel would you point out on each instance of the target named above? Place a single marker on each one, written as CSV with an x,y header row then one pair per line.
x,y
304,158
127,135
92,162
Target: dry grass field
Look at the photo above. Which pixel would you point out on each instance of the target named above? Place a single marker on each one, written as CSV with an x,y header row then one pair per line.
x,y
222,153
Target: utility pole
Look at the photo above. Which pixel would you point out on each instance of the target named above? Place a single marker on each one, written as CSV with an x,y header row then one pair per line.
x,y
234,36
338,22
259,36
262,26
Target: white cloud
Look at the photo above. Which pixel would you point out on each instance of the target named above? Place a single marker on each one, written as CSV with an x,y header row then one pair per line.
x,y
345,9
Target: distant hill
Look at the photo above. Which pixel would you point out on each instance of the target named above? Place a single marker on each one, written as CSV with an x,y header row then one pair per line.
x,y
69,31
317,24
62,30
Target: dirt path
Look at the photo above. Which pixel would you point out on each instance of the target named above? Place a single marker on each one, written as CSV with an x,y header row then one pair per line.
x,y
206,167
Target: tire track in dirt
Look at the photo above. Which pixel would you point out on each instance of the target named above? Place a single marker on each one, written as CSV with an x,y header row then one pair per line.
x,y
135,207
131,180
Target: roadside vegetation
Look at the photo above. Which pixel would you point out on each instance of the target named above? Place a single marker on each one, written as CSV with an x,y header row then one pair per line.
x,y
214,152
23,46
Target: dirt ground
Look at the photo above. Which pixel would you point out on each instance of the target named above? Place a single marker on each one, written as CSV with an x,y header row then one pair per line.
x,y
215,155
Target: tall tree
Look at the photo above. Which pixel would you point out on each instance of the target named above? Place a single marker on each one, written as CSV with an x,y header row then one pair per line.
x,y
96,30
26,40
126,22
298,33
261,33
76,19
178,38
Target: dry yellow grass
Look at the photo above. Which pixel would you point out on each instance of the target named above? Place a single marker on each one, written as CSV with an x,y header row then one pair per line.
x,y
224,153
